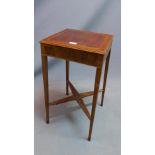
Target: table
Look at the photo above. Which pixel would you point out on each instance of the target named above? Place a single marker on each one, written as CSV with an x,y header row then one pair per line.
x,y
89,48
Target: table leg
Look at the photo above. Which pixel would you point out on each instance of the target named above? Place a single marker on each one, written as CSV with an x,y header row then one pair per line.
x,y
96,89
105,76
45,80
67,77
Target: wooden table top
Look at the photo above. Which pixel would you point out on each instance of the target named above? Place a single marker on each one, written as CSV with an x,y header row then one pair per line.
x,y
81,40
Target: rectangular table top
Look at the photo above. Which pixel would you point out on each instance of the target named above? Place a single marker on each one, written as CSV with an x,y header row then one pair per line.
x,y
80,40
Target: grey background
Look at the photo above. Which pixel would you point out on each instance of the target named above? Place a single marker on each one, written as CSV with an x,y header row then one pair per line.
x,y
68,128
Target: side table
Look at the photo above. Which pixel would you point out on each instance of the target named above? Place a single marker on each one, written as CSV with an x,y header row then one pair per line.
x,y
83,47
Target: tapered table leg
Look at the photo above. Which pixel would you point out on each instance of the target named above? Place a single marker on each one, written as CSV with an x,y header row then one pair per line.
x,y
67,77
105,76
45,80
96,88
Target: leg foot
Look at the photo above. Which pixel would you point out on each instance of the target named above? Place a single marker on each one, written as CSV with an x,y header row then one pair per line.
x,y
89,139
47,122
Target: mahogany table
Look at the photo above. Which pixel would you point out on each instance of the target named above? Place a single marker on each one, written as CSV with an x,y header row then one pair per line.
x,y
84,47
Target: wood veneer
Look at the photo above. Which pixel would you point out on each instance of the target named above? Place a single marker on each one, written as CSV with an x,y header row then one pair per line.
x,y
84,47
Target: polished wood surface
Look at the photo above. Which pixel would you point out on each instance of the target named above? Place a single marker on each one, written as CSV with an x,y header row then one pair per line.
x,y
86,41
105,76
67,77
96,89
72,97
45,79
84,47
79,100
69,54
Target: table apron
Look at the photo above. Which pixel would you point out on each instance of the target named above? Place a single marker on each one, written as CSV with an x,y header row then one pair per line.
x,y
84,57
